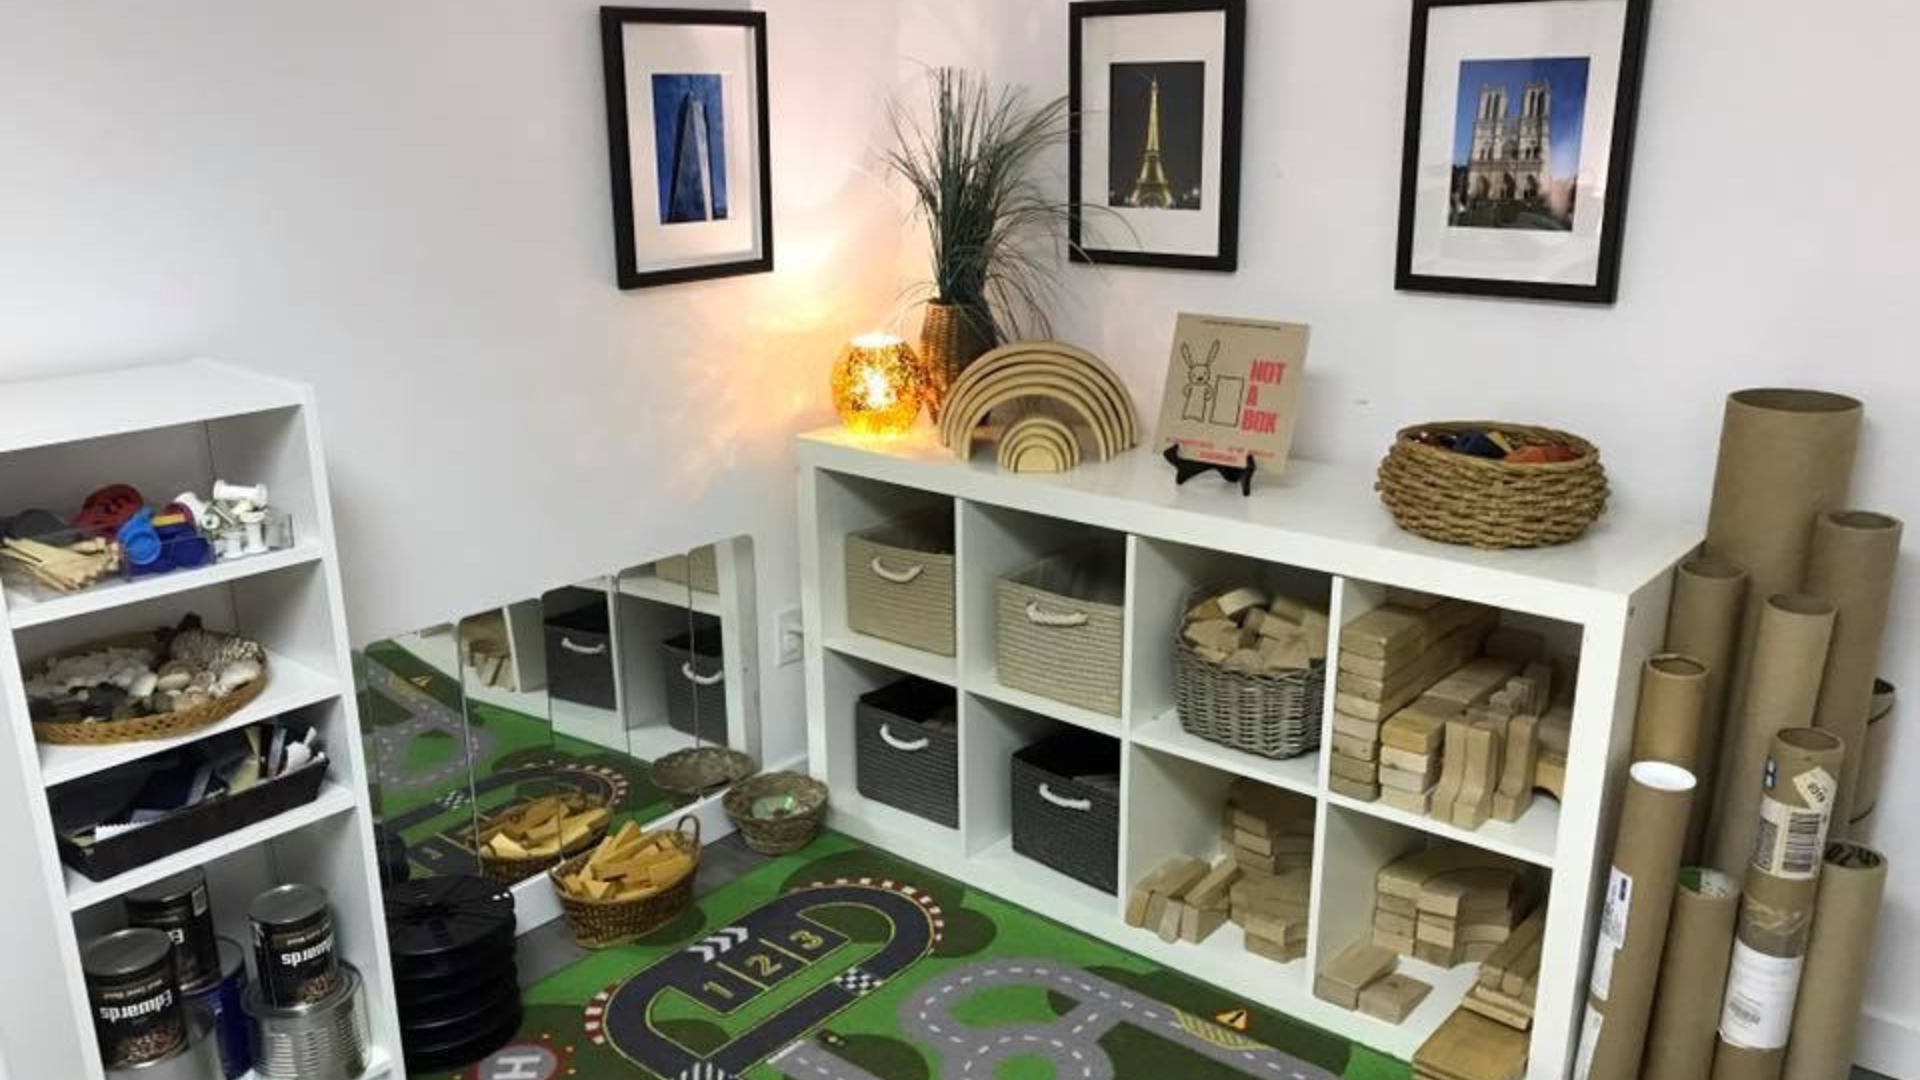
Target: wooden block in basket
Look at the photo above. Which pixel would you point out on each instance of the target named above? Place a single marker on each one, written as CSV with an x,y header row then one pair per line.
x,y
630,884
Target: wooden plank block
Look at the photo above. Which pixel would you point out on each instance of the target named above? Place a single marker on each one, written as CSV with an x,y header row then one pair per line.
x,y
1198,924
1213,891
1412,802
1362,772
1353,789
1517,1019
1482,774
1181,873
1289,930
1392,922
1170,919
1453,769
1355,727
1277,951
1509,955
1474,681
1401,780
1363,749
1397,905
1394,997
1357,966
1418,728
1401,944
1408,760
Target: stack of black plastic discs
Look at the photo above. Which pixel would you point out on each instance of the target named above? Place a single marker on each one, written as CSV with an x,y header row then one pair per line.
x,y
452,942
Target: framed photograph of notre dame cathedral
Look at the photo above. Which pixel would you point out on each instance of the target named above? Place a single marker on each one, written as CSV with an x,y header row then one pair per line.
x,y
1519,141
1153,166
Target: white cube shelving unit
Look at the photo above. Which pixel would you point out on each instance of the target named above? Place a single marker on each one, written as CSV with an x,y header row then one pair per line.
x,y
167,429
1316,531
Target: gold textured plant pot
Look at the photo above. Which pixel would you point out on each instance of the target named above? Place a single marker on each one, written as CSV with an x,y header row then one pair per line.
x,y
952,337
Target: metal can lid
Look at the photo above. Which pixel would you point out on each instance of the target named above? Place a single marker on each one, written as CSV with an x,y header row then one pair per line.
x,y
169,888
284,905
127,952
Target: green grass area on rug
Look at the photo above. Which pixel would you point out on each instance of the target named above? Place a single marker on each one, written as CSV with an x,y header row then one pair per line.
x,y
842,962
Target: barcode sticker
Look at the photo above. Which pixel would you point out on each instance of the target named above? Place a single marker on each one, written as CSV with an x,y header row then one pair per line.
x,y
1789,841
1760,994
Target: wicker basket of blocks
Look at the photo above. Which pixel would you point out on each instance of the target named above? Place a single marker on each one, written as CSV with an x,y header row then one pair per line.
x,y
777,812
1547,488
530,837
630,884
1250,673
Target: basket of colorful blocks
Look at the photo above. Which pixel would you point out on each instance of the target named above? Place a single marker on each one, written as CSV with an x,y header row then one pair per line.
x,y
1491,484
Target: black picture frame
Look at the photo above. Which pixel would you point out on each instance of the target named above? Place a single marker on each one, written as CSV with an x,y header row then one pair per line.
x,y
1606,284
1226,256
613,24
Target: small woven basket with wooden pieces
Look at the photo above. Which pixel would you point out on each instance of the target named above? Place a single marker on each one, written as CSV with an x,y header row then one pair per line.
x,y
630,885
777,812
1458,498
1250,673
530,837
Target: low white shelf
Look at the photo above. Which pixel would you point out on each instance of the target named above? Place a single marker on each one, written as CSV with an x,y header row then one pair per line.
x,y
1319,529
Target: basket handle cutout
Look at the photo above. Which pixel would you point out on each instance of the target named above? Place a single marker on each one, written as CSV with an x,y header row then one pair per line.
x,y
905,745
898,577
1040,616
1081,805
573,646
697,679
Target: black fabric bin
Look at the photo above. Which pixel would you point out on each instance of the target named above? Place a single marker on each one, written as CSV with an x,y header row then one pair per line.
x,y
903,761
1070,825
580,655
695,674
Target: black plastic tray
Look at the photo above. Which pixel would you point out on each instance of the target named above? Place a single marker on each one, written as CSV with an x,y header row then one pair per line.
x,y
194,825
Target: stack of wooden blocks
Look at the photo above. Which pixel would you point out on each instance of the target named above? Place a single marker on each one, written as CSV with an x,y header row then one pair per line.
x,y
1243,630
1509,976
1469,1046
1451,904
1184,899
1389,657
1363,977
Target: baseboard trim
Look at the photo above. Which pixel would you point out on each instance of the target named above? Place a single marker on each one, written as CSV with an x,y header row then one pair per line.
x,y
1889,1045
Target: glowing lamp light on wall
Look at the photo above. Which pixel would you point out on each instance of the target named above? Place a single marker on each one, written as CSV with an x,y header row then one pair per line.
x,y
879,384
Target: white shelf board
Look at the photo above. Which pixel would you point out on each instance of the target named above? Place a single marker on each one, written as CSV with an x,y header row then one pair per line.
x,y
1301,774
334,799
290,686
673,594
1531,839
1068,899
24,612
75,408
990,687
901,658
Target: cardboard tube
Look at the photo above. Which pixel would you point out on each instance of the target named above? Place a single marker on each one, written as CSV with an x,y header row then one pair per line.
x,y
1873,756
1776,914
1827,1018
1709,596
1851,564
1673,697
1788,658
1633,925
1693,972
1786,456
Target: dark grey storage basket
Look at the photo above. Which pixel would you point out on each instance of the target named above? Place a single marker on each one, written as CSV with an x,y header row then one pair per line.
x,y
1058,627
900,581
902,760
580,652
1274,715
694,670
1070,825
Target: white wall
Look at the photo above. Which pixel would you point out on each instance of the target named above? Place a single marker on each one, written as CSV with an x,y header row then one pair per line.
x,y
407,204
1771,240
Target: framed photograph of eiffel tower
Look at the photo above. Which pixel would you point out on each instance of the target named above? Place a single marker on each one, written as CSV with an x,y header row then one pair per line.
x,y
1153,169
687,131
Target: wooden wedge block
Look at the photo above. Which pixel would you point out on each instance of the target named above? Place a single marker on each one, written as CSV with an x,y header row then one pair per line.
x,y
1514,793
1453,769
1474,804
1393,997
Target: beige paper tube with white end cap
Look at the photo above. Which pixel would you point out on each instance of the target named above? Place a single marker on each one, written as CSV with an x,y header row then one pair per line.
x,y
1786,457
1826,1019
1776,912
1854,552
1673,698
1693,973
1633,923
1788,658
1709,597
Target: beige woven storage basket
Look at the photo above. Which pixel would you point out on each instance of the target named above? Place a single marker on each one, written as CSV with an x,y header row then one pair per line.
x,y
900,582
699,569
1461,499
1059,627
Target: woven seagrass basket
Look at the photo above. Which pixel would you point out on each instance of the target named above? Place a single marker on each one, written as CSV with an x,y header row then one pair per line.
x,y
600,924
511,871
780,835
144,728
1462,499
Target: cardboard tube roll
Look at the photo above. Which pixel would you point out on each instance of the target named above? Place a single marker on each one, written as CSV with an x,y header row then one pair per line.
x,y
1709,596
1693,972
1633,925
1851,564
1788,658
1673,697
1786,456
1873,755
1826,1018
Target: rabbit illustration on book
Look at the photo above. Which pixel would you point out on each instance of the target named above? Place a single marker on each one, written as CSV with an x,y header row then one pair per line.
x,y
1200,382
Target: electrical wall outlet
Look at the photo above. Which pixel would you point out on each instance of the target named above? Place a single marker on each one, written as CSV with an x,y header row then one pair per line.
x,y
793,635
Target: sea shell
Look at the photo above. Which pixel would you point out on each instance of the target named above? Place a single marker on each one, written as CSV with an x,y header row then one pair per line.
x,y
232,676
208,649
175,675
144,685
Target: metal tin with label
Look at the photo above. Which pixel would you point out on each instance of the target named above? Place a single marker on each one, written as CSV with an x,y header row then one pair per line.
x,y
178,906
232,1031
131,991
293,946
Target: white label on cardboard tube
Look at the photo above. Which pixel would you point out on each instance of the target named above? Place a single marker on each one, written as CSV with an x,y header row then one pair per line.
x,y
1789,841
1589,1038
1613,920
1816,788
1601,984
1760,993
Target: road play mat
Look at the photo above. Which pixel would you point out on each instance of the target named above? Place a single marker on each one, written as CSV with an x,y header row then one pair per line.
x,y
841,962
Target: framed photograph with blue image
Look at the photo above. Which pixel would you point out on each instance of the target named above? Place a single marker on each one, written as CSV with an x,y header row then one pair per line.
x,y
687,131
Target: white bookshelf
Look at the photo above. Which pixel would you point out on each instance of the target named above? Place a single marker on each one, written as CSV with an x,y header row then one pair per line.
x,y
1317,531
166,429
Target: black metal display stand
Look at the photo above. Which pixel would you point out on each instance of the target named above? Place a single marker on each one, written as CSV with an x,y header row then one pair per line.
x,y
1185,469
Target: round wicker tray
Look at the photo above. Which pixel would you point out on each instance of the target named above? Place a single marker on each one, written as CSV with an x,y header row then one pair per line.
x,y
511,871
691,773
1461,499
777,836
143,728
599,924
